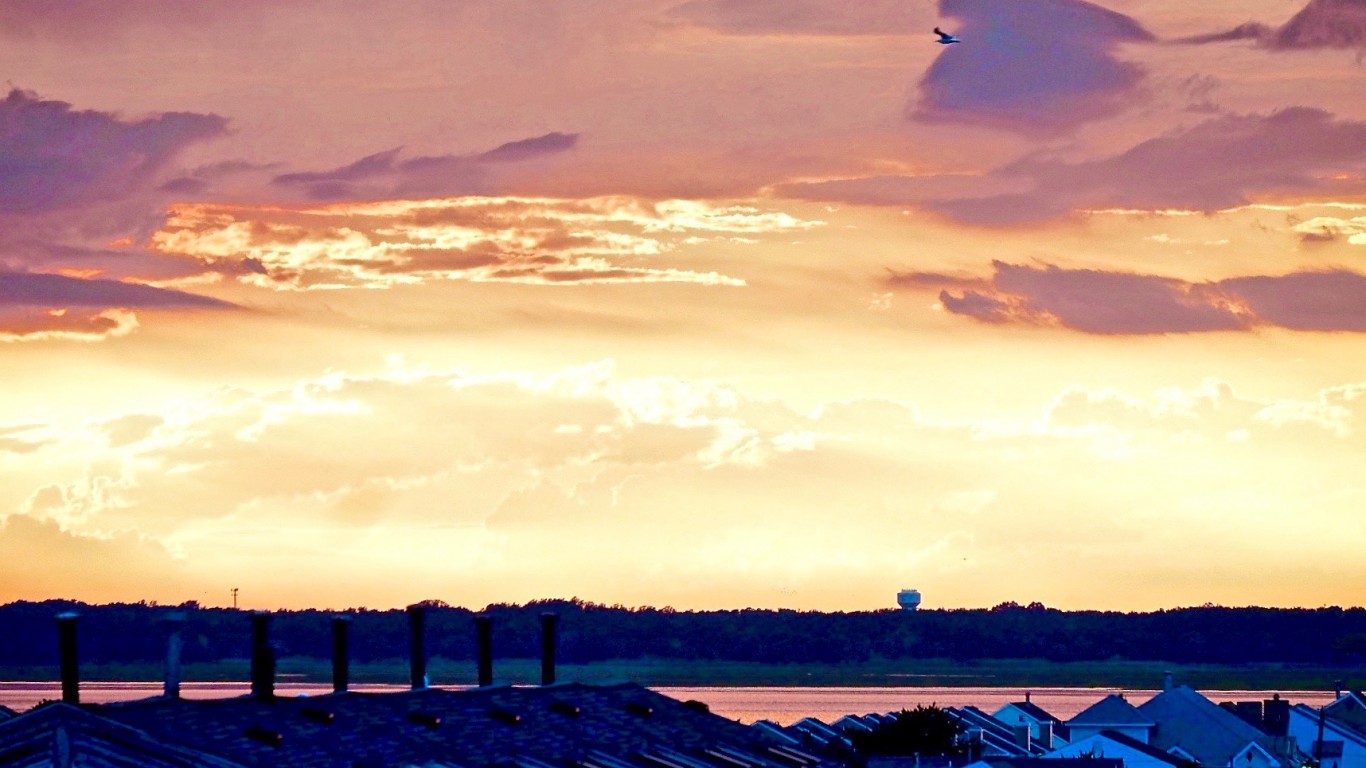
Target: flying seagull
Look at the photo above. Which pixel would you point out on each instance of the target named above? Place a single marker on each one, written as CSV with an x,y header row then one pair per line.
x,y
944,37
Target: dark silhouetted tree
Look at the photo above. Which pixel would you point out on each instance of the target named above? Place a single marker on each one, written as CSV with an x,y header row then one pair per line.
x,y
926,730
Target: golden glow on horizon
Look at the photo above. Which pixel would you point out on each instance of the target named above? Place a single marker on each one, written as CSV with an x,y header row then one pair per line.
x,y
651,304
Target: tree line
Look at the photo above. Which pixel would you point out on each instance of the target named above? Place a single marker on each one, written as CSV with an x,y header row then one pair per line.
x,y
588,632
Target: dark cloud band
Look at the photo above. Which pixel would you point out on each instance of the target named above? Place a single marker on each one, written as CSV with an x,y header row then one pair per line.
x,y
1123,303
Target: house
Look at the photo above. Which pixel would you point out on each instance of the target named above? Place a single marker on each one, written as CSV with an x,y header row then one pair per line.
x,y
991,737
583,726
1045,729
1343,743
775,733
1047,762
1112,713
852,723
1349,707
817,733
1192,726
1114,744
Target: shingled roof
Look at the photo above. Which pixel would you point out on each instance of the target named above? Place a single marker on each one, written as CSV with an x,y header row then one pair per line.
x,y
1147,749
1206,731
1113,710
62,735
619,726
1034,711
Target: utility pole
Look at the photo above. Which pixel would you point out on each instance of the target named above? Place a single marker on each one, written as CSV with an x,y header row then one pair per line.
x,y
234,598
1318,745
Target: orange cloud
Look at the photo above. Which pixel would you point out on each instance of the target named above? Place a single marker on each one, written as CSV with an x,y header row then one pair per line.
x,y
531,240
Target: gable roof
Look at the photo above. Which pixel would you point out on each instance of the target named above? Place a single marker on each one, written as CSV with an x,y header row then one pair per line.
x,y
1147,749
994,734
473,727
1347,730
1112,710
1205,730
1349,703
1034,711
63,735
6,713
1050,762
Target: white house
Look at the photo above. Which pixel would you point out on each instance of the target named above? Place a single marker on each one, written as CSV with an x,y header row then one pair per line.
x,y
1044,729
1344,744
1112,744
1349,707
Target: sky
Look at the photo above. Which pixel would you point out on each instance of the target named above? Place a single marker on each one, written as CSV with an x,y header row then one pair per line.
x,y
692,303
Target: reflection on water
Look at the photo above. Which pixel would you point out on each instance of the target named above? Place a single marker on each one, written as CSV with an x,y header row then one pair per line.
x,y
782,705
22,695
787,705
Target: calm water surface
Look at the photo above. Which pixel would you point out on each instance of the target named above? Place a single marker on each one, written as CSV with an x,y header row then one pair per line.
x,y
782,705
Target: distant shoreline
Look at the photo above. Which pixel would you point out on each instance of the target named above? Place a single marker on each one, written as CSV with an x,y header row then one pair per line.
x,y
942,673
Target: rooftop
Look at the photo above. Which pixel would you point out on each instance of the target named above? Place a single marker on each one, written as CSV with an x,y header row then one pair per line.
x,y
1113,710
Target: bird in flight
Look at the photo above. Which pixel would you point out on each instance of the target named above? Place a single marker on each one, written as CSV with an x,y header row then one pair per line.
x,y
944,37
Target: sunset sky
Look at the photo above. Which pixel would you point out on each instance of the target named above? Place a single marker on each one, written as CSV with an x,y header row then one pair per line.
x,y
702,303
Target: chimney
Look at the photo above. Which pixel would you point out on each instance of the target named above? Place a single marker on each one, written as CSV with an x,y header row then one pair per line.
x,y
483,629
1276,715
341,653
1022,736
68,657
174,623
262,657
1046,734
1027,695
417,661
548,622
1167,681
1337,689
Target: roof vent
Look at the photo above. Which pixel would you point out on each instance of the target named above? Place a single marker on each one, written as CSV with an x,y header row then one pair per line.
x,y
265,736
69,656
417,661
639,709
262,657
548,623
424,718
697,706
318,715
565,708
505,716
483,625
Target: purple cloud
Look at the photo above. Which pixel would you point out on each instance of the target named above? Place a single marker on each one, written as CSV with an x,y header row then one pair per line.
x,y
53,157
1222,162
803,17
1250,31
1323,24
1320,24
1123,303
106,262
1219,163
95,19
38,305
21,289
1306,301
365,168
525,149
383,173
1044,66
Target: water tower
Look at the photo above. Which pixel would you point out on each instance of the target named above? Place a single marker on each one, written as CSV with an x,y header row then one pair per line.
x,y
908,599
